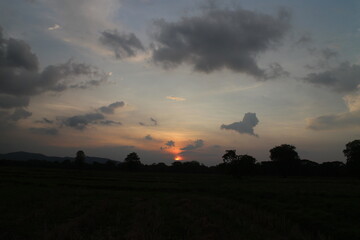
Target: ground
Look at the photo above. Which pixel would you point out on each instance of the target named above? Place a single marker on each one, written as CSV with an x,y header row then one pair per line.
x,y
72,204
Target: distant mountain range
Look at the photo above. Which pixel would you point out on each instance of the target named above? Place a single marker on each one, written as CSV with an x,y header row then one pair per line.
x,y
24,156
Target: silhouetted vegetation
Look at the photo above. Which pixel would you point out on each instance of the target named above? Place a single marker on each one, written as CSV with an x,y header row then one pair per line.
x,y
286,158
285,161
238,165
229,156
352,154
80,159
185,200
132,162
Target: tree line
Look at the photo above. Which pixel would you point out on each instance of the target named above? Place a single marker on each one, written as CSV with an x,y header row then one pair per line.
x,y
284,161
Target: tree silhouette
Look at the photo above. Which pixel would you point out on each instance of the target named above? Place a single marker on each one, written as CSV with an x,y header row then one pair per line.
x,y
332,169
286,159
133,158
242,165
229,156
80,158
238,165
132,161
352,154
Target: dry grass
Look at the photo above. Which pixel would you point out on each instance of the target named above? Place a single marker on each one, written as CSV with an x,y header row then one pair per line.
x,y
61,204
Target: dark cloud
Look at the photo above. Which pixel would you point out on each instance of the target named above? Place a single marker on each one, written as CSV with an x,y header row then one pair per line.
x,y
45,120
10,101
18,54
197,144
246,126
328,53
19,81
20,75
304,40
111,107
275,70
148,137
124,45
109,123
4,115
344,78
90,83
44,131
219,38
335,121
324,58
9,118
170,143
80,122
20,113
154,123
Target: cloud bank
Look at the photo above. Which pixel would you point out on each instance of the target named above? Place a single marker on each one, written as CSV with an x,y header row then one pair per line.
x,y
350,119
335,121
197,144
21,77
344,78
111,107
81,122
218,39
20,113
11,101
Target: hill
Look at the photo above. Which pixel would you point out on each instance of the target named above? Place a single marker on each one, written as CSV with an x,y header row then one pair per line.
x,y
25,156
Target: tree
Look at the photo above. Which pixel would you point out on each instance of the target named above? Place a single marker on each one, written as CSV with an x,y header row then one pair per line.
x,y
352,154
286,159
80,158
229,156
133,158
238,165
247,160
242,165
132,161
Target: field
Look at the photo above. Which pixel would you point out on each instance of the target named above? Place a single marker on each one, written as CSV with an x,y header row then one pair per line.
x,y
72,204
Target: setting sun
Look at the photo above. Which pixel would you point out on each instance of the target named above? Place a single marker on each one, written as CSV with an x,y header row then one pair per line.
x,y
178,158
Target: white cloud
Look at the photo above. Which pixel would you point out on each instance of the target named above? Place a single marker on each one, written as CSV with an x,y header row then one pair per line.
x,y
353,102
348,119
176,98
55,27
82,21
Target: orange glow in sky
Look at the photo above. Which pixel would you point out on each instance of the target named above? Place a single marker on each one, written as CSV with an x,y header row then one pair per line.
x,y
178,158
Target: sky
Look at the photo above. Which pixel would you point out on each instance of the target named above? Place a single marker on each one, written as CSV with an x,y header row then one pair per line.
x,y
182,80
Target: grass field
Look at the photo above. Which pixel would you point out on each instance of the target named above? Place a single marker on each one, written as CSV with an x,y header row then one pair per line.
x,y
71,204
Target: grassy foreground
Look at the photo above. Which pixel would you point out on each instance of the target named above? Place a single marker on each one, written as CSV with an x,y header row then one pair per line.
x,y
70,204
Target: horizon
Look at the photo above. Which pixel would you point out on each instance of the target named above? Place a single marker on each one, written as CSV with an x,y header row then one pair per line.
x,y
177,159
182,80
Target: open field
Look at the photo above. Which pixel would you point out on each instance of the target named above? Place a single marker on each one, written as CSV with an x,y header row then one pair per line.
x,y
71,204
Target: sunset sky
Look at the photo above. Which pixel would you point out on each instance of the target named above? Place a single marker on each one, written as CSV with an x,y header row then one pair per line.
x,y
179,79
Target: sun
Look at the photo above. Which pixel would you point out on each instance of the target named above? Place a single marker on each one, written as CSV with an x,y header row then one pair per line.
x,y
178,158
